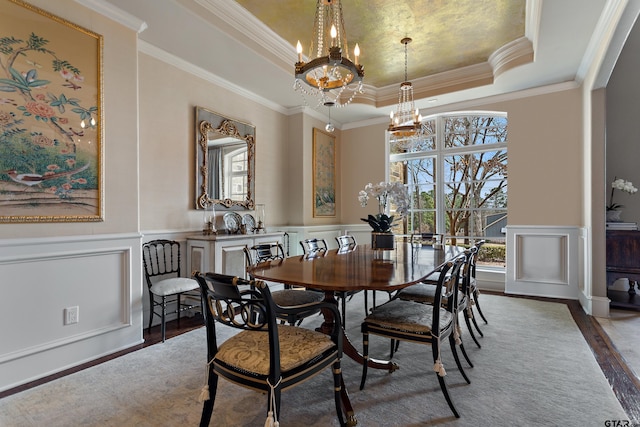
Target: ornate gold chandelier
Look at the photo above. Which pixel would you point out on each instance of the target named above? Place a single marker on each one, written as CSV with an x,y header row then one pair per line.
x,y
331,77
407,121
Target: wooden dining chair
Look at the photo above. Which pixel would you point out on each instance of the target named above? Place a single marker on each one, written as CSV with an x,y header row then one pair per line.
x,y
290,296
346,242
403,320
473,287
314,246
263,356
318,247
424,292
166,287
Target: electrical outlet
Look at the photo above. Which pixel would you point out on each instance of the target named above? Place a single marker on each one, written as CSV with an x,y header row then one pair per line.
x,y
71,315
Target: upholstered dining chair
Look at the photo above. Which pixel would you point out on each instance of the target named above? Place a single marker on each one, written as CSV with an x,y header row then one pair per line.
x,y
290,296
161,261
425,292
431,324
263,356
473,286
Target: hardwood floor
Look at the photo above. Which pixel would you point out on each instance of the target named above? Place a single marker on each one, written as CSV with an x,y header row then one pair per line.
x,y
624,383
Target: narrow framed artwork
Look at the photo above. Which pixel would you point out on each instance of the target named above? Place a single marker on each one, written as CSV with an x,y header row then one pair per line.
x,y
324,174
50,118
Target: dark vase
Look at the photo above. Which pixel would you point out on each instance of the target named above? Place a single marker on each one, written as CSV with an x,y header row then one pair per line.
x,y
382,240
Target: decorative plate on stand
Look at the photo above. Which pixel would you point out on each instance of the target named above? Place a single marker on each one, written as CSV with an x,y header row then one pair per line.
x,y
232,222
249,221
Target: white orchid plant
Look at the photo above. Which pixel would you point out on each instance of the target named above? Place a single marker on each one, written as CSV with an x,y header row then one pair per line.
x,y
385,193
622,185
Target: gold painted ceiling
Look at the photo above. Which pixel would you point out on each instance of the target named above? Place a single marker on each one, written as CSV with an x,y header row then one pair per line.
x,y
447,34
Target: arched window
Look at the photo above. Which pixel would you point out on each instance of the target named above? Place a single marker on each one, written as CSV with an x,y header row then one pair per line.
x,y
456,173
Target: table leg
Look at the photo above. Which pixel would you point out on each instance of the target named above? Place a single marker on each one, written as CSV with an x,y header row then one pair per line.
x,y
347,346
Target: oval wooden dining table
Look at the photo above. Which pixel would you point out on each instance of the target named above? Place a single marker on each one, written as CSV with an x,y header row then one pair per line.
x,y
361,268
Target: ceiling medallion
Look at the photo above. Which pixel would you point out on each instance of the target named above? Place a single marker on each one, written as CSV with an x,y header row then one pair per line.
x,y
407,121
330,77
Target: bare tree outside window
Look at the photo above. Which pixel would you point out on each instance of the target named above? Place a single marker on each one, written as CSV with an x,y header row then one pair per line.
x,y
459,177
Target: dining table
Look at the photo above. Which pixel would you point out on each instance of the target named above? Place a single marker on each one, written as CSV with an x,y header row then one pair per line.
x,y
359,268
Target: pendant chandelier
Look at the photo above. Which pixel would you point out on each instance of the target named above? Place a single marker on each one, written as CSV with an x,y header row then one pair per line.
x,y
406,122
330,77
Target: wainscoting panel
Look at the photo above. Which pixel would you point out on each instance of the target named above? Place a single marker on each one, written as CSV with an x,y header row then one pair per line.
x,y
100,275
543,261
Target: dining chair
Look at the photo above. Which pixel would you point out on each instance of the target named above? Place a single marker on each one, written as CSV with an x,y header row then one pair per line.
x,y
424,292
314,246
263,356
161,261
430,324
346,242
473,287
290,296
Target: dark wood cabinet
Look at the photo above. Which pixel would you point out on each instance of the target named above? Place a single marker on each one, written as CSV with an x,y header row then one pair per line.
x,y
623,261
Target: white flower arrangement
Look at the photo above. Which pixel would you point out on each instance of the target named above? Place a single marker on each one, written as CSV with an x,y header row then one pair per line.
x,y
622,185
385,193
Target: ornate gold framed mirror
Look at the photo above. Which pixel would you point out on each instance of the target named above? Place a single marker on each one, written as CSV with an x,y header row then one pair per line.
x,y
225,161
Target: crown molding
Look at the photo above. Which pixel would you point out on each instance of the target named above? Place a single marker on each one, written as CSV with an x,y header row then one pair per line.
x,y
188,67
438,84
517,52
248,26
473,103
114,13
601,38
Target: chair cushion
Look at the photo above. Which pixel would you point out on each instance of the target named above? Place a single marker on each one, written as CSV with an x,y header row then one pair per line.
x,y
419,292
423,292
292,297
173,286
249,350
407,316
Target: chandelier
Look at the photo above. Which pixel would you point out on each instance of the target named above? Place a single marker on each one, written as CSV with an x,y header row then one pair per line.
x,y
329,77
406,122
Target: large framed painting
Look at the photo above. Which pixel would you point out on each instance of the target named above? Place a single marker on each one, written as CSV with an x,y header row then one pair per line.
x,y
324,174
50,118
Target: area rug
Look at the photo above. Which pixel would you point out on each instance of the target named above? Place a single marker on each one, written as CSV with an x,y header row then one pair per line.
x,y
534,369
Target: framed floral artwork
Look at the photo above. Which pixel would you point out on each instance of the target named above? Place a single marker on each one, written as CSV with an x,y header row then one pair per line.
x,y
324,174
50,117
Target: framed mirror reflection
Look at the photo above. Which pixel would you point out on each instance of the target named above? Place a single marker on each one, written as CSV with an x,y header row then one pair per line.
x,y
225,161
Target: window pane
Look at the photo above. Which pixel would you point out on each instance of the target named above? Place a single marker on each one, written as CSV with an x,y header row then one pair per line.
x,y
462,131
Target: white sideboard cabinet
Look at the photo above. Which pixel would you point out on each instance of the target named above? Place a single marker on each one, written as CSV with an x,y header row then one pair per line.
x,y
223,253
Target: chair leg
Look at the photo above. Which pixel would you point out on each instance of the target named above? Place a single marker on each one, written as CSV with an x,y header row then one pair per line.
x,y
275,394
452,343
337,386
366,302
475,324
443,385
179,307
365,356
163,325
207,407
344,310
467,320
476,293
152,309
